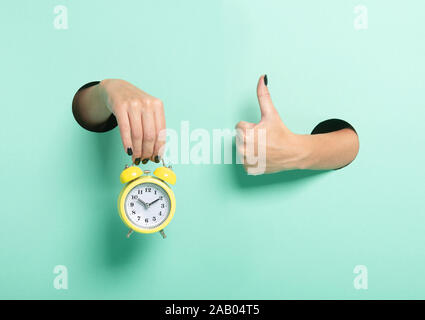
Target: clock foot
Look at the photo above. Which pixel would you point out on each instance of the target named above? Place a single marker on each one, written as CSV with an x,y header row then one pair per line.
x,y
162,234
129,233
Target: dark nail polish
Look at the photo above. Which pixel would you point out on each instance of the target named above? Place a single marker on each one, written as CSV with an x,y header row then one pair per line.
x,y
137,161
145,161
266,81
157,159
129,151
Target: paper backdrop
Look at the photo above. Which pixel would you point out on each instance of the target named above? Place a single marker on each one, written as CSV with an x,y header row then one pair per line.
x,y
355,233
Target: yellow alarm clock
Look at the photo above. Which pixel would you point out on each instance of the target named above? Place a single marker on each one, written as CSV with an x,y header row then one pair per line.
x,y
146,204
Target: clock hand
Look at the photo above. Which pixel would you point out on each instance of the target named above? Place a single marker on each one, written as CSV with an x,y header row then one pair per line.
x,y
153,202
144,203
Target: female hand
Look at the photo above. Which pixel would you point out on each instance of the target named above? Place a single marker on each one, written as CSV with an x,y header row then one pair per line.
x,y
140,118
270,146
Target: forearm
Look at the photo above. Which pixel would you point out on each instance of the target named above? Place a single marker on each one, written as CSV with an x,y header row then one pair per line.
x,y
89,107
327,151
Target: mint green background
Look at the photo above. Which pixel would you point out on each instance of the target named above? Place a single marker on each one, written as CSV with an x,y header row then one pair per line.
x,y
284,236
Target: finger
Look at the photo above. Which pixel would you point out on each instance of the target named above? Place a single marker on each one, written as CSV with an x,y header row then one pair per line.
x,y
264,99
136,134
149,136
245,137
254,170
244,125
160,134
245,130
249,144
124,126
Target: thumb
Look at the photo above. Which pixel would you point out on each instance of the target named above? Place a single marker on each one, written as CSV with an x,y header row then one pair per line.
x,y
264,99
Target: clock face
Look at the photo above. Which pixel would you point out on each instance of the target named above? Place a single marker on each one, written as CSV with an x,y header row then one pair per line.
x,y
147,205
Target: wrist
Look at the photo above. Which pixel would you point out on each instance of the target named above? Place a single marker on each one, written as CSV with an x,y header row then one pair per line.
x,y
294,154
305,152
103,94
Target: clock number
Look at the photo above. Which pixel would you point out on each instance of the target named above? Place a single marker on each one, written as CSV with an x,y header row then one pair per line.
x,y
154,218
139,191
148,189
160,213
138,218
133,211
146,220
131,204
134,197
162,205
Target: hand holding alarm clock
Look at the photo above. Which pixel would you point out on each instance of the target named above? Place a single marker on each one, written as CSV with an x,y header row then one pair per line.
x,y
146,204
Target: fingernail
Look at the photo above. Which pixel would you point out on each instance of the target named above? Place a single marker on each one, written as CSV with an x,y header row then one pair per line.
x,y
145,161
137,161
266,81
129,151
157,159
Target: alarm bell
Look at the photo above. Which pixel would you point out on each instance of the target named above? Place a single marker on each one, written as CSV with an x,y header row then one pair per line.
x,y
130,173
165,174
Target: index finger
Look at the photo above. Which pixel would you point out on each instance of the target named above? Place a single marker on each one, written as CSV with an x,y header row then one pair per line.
x,y
124,126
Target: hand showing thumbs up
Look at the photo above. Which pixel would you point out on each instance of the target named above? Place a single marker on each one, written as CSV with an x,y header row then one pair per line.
x,y
269,146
